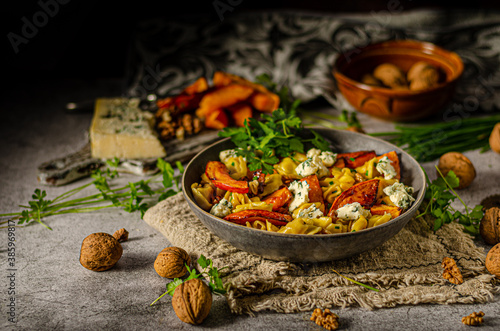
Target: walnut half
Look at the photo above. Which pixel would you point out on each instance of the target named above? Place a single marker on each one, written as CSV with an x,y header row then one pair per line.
x,y
451,271
326,319
473,319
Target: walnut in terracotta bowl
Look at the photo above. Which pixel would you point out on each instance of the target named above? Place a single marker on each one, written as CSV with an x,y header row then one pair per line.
x,y
398,80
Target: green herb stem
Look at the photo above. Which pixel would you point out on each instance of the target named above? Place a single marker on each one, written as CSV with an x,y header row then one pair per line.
x,y
129,196
356,282
428,142
452,190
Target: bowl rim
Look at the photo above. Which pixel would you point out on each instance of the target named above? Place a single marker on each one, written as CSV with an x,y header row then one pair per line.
x,y
403,43
412,210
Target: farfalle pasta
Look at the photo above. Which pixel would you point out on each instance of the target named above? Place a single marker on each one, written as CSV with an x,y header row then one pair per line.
x,y
316,193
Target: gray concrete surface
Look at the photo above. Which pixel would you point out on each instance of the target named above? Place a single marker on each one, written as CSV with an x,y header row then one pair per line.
x,y
52,289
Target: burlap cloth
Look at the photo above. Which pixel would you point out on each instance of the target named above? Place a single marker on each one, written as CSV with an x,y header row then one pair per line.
x,y
407,268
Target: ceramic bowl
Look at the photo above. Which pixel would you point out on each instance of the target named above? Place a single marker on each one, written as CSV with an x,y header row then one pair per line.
x,y
396,104
308,248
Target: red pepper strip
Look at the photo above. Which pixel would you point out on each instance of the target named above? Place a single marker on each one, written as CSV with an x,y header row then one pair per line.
x,y
365,193
218,173
356,159
258,218
244,215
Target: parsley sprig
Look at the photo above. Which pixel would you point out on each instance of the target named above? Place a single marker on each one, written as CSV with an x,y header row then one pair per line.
x,y
130,197
208,273
440,194
277,135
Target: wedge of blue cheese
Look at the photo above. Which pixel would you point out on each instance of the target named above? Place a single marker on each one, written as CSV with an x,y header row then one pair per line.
x,y
121,129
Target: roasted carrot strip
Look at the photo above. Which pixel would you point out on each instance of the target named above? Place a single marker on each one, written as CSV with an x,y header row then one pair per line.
x,y
265,101
200,85
217,120
279,198
222,97
355,159
240,112
382,209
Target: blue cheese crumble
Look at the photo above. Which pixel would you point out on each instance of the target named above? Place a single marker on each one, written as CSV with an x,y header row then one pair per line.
x,y
311,212
222,209
300,192
352,211
328,158
312,166
384,167
400,194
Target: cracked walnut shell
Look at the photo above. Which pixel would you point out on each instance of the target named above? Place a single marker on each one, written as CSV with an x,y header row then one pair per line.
x,y
100,251
489,228
326,319
192,301
493,261
171,262
451,271
473,319
121,235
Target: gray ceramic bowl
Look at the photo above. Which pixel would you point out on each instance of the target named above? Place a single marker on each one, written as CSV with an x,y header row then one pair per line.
x,y
308,248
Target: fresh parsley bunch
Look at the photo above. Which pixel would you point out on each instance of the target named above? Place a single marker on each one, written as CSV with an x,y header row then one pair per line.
x,y
440,194
277,135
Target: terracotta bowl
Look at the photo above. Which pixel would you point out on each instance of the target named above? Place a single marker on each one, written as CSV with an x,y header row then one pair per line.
x,y
395,104
308,248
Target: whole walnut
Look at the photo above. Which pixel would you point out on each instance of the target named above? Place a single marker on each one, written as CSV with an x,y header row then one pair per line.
x,y
368,79
192,301
100,251
171,262
390,75
489,228
495,138
460,165
493,261
422,75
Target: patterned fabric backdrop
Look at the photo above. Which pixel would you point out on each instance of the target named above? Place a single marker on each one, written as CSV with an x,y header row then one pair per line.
x,y
299,49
